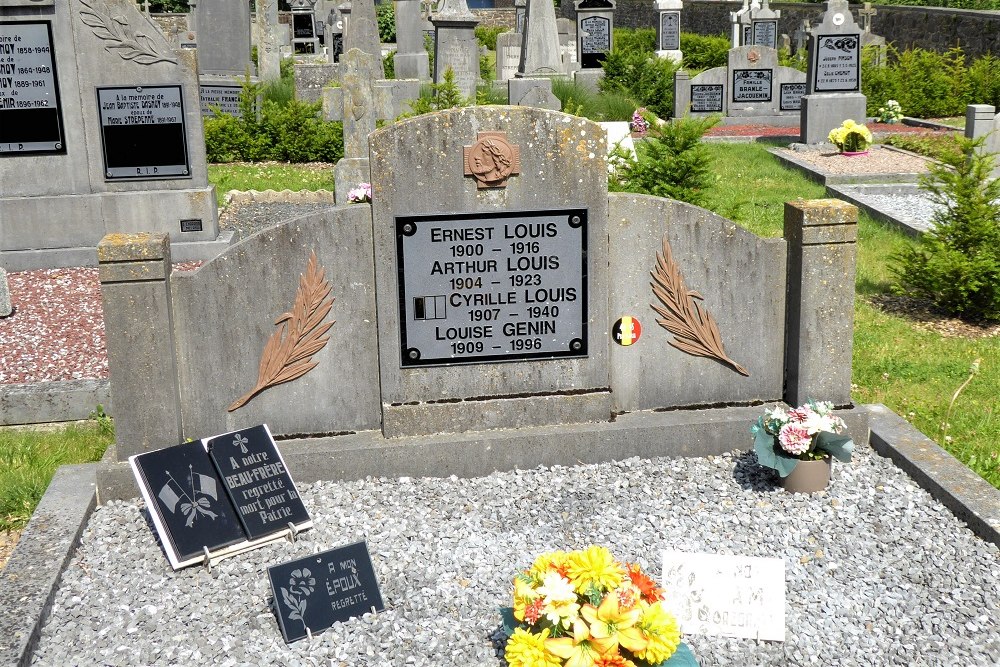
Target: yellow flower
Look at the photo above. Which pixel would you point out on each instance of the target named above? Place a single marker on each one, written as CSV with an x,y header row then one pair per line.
x,y
594,565
524,595
527,649
553,561
577,650
660,629
611,627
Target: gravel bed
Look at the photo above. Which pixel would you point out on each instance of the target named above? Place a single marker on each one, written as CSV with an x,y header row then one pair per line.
x,y
917,210
877,572
879,160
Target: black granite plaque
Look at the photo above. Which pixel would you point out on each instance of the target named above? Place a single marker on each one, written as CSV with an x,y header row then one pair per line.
x,y
595,40
765,33
492,286
791,96
186,500
30,116
837,66
319,590
751,85
747,36
258,485
303,26
706,97
143,133
670,31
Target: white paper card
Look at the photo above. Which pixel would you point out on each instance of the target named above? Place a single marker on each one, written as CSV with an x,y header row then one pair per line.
x,y
726,596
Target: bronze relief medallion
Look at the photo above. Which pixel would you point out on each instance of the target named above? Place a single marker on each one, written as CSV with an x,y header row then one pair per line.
x,y
492,160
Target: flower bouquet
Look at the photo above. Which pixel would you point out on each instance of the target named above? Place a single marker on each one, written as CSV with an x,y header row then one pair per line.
x,y
361,194
810,432
890,113
585,609
639,124
851,137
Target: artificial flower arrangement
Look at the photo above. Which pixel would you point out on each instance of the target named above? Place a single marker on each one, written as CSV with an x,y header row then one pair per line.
x,y
809,432
851,137
890,113
639,124
361,194
585,609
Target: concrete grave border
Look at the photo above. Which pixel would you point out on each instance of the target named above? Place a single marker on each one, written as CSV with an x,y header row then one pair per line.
x,y
825,178
29,581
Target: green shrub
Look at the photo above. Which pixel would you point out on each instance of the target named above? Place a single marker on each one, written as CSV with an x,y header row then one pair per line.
x,y
642,76
437,96
940,146
487,35
672,161
879,83
957,263
389,65
703,52
386,17
931,85
641,40
983,78
582,101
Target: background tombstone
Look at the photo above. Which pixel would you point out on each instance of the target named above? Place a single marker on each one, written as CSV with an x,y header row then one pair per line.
x,y
764,26
333,36
668,29
304,39
268,48
456,46
868,38
223,29
801,37
567,42
72,171
361,30
411,60
540,50
594,30
736,23
508,55
520,11
834,75
982,120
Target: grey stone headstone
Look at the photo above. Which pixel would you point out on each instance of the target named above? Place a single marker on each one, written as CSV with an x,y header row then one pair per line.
x,y
535,92
411,61
6,308
361,31
540,55
456,46
223,28
268,41
508,54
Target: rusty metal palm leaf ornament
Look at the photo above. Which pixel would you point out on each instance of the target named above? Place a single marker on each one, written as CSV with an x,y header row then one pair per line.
x,y
288,354
694,329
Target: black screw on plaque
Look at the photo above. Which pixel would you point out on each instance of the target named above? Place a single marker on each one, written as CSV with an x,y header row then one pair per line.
x,y
413,354
576,345
575,221
409,229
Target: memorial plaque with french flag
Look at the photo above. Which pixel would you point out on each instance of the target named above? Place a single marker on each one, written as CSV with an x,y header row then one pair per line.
x,y
188,508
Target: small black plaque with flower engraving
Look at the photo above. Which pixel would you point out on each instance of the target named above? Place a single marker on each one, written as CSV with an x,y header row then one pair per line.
x,y
313,593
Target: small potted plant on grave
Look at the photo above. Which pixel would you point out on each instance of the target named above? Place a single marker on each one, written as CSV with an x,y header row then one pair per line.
x,y
584,608
891,113
360,195
851,138
799,443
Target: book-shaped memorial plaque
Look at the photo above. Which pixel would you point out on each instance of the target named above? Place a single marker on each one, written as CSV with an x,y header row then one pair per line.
x,y
314,592
256,481
202,514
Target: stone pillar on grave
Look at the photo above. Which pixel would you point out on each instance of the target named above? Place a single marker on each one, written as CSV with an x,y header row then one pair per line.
x,y
736,24
361,32
833,80
333,36
982,120
764,26
540,52
668,29
682,93
135,294
456,46
411,60
819,309
268,48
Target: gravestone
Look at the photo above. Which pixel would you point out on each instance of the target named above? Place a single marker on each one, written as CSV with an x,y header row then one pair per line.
x,y
304,37
100,130
411,60
540,55
456,46
833,91
333,36
567,43
520,10
764,26
6,307
982,120
508,54
361,30
739,23
801,36
870,39
668,29
595,31
268,44
223,28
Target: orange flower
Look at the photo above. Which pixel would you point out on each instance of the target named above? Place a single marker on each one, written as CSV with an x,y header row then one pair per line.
x,y
613,660
650,591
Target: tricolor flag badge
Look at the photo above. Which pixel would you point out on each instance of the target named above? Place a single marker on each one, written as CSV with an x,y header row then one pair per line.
x,y
626,330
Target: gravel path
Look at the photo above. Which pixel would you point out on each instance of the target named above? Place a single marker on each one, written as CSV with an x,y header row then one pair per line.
x,y
877,572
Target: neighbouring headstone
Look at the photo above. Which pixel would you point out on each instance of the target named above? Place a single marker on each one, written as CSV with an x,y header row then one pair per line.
x,y
739,21
668,29
268,43
6,307
520,10
411,60
333,36
304,37
100,129
508,54
595,31
870,39
361,30
455,45
801,36
314,592
223,29
224,98
213,498
567,42
834,75
982,120
726,595
764,26
540,55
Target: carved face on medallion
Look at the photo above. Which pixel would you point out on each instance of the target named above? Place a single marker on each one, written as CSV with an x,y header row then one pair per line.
x,y
492,160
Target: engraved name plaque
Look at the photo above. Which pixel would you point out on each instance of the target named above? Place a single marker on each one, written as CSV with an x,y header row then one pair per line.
x,y
670,31
30,118
838,63
706,98
751,85
142,132
226,98
791,96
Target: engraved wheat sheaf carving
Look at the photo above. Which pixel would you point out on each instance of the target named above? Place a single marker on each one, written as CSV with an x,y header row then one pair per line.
x,y
694,329
300,335
130,45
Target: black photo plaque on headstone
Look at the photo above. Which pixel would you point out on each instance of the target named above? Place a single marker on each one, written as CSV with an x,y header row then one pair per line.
x,y
492,286
30,114
225,98
595,40
317,591
303,26
143,133
746,35
791,96
706,97
765,33
186,501
255,479
670,31
837,65
751,85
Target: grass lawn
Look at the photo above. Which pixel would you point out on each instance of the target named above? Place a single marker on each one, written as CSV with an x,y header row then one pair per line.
x,y
913,371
